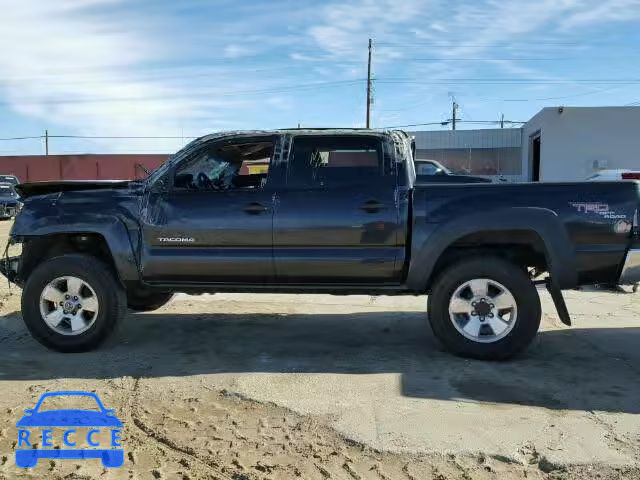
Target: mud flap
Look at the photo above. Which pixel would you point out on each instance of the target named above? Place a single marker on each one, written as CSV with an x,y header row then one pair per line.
x,y
558,301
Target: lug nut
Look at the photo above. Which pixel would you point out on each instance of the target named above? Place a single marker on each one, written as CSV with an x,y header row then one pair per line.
x,y
61,304
66,297
474,313
75,298
491,315
491,305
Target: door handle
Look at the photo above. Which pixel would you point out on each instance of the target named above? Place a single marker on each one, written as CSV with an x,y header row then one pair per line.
x,y
372,206
255,208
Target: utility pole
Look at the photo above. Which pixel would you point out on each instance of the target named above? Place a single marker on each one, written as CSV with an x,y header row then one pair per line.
x,y
454,110
502,120
369,87
46,142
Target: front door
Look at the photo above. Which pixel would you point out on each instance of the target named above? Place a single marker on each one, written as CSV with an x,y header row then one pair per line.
x,y
336,219
215,222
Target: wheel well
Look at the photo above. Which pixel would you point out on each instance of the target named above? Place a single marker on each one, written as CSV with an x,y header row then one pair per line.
x,y
36,250
521,247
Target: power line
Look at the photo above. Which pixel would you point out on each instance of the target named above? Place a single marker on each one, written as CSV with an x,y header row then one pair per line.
x,y
173,73
21,138
491,121
200,94
118,136
447,122
537,81
497,59
443,123
102,137
527,43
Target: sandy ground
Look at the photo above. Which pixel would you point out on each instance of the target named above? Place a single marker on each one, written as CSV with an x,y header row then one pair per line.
x,y
236,386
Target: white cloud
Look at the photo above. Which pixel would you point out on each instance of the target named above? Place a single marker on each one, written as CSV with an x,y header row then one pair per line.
x,y
66,64
301,57
602,12
345,27
236,51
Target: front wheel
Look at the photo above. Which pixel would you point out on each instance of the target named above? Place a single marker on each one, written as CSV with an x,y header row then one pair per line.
x,y
73,302
485,308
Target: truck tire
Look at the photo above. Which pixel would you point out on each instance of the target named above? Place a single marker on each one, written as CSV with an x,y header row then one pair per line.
x,y
485,308
72,303
139,301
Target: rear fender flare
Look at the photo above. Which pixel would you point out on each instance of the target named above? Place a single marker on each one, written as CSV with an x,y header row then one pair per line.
x,y
430,243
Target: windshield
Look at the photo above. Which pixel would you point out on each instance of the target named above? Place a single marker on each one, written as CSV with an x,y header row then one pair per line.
x,y
7,190
9,179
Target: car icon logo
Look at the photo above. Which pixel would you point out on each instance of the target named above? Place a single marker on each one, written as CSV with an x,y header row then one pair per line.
x,y
70,420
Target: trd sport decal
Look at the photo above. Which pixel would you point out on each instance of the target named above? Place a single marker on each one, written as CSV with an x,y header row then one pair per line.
x,y
598,208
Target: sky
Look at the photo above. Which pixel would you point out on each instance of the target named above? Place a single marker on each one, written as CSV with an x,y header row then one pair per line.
x,y
180,69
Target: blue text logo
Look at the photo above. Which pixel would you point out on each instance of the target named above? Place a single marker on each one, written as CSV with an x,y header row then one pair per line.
x,y
36,427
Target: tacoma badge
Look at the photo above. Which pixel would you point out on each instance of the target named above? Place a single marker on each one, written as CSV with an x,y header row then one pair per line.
x,y
177,239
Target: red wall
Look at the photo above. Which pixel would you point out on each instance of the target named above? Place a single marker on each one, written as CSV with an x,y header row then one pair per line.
x,y
34,168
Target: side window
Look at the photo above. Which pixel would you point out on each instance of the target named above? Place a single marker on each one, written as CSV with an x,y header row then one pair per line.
x,y
226,166
332,161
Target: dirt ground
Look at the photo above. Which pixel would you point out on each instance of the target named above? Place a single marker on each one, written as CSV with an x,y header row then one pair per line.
x,y
238,386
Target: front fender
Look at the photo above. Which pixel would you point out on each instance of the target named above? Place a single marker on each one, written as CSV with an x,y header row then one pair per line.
x,y
107,225
431,240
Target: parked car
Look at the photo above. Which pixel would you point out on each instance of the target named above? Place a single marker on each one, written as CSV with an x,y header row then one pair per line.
x,y
338,211
430,167
618,174
10,179
9,201
434,172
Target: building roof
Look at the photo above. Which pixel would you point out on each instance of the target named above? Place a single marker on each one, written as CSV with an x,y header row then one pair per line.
x,y
483,138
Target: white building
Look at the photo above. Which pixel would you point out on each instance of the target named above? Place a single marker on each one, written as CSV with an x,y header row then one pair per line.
x,y
571,143
557,144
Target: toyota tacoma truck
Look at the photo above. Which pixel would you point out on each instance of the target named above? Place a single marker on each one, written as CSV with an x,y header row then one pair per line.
x,y
334,211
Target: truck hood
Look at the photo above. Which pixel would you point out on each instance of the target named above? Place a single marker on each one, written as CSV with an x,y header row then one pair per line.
x,y
42,188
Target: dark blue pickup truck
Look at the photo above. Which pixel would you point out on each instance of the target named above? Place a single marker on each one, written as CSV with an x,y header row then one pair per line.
x,y
317,211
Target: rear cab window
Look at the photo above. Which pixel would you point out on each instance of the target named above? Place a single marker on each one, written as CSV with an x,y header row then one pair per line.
x,y
334,161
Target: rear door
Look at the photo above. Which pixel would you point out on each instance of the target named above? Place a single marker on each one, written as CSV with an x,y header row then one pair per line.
x,y
336,219
215,222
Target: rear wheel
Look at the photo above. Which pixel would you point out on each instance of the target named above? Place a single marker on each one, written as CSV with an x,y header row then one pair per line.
x,y
140,301
71,303
484,308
